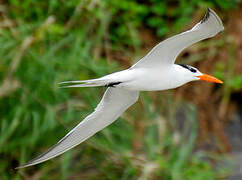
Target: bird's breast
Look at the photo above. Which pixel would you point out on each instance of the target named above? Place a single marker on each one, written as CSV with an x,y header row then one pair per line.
x,y
151,80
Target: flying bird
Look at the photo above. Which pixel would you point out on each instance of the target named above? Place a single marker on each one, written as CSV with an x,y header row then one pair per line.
x,y
154,72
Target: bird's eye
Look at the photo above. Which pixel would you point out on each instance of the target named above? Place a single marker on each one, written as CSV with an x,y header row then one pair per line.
x,y
193,70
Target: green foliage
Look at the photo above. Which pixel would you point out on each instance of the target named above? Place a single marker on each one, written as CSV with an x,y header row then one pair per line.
x,y
121,17
234,82
35,113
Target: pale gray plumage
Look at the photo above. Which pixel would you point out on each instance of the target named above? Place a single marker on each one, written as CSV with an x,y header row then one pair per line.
x,y
208,27
114,102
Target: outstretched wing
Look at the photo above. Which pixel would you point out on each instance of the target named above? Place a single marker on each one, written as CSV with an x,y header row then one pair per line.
x,y
167,51
114,102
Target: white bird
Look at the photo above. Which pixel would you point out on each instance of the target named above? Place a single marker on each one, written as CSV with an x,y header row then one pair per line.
x,y
156,71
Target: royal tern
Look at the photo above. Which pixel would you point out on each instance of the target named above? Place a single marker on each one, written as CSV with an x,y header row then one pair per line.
x,y
156,71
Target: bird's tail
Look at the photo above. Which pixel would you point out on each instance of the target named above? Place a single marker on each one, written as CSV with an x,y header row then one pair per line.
x,y
110,80
84,83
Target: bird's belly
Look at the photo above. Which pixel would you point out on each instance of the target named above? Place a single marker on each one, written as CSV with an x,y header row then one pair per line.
x,y
146,86
150,81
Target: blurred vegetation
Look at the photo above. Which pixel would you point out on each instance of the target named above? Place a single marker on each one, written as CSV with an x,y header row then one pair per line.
x,y
46,42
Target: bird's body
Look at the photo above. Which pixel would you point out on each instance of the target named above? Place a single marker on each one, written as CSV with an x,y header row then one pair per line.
x,y
149,79
154,72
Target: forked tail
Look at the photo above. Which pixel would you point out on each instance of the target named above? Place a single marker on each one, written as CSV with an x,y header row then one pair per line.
x,y
84,83
110,80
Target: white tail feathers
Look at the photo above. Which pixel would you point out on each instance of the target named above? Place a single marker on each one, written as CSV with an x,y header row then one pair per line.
x,y
85,83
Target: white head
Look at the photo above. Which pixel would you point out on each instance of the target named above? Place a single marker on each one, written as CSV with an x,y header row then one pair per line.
x,y
188,73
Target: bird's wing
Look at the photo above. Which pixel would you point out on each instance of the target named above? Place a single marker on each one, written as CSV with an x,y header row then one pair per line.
x,y
167,51
114,102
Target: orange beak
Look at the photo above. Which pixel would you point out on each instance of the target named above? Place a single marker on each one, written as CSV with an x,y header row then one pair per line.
x,y
209,78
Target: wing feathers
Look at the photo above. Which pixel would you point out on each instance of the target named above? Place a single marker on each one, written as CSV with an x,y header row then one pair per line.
x,y
114,102
166,52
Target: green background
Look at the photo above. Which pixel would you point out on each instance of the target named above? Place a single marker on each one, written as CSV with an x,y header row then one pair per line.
x,y
166,135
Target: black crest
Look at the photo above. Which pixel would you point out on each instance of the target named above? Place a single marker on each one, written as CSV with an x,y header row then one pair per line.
x,y
190,68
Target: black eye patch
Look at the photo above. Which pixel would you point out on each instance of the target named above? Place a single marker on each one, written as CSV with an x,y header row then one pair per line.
x,y
193,70
190,68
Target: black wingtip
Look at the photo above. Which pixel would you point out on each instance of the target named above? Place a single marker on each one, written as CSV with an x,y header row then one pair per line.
x,y
206,16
